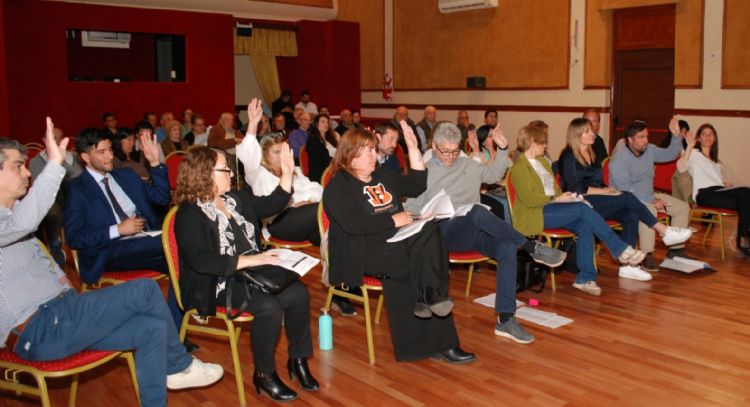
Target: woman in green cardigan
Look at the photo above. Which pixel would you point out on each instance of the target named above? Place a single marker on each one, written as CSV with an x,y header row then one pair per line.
x,y
539,203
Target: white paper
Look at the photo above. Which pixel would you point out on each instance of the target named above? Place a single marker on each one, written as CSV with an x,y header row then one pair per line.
x,y
489,301
149,233
298,262
684,265
543,318
439,207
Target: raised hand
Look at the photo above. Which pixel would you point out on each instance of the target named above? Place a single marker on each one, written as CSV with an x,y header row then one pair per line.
x,y
497,135
254,113
55,152
473,140
287,160
409,137
690,139
674,126
149,147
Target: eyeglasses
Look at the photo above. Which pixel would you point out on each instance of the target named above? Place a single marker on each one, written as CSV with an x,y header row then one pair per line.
x,y
449,153
226,170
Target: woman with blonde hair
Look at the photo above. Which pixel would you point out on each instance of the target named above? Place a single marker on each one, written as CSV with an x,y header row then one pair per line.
x,y
581,173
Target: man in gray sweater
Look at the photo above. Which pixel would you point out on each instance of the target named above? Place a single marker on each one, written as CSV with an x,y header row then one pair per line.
x,y
631,169
480,230
43,318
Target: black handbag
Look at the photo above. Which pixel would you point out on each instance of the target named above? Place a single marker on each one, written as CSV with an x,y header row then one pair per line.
x,y
269,279
530,275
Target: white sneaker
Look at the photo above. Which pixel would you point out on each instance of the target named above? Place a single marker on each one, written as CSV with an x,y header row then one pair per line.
x,y
631,256
675,235
198,374
634,273
589,287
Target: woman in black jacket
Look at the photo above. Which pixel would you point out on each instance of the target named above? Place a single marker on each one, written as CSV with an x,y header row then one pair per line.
x,y
218,233
321,146
364,208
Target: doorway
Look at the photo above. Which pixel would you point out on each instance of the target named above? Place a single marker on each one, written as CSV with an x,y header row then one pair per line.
x,y
643,70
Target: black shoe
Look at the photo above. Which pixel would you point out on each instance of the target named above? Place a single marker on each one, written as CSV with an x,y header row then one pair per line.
x,y
649,264
298,370
421,310
455,356
273,386
439,305
190,347
343,306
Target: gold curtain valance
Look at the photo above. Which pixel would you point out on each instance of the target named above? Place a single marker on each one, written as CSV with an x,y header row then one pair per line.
x,y
278,43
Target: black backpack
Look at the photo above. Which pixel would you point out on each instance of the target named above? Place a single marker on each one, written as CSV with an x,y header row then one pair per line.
x,y
530,275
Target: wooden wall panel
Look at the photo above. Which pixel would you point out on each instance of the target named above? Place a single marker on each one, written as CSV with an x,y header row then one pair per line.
x,y
688,40
736,55
370,16
520,44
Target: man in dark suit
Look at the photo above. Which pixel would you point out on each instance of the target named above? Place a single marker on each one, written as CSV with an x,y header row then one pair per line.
x,y
106,211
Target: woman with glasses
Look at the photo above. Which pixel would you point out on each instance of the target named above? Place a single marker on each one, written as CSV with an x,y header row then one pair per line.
x,y
217,231
364,206
540,204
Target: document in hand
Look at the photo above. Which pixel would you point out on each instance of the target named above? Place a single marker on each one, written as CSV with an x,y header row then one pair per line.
x,y
298,262
685,265
439,207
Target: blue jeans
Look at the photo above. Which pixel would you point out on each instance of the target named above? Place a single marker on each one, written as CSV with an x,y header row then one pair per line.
x,y
626,209
585,223
484,232
132,315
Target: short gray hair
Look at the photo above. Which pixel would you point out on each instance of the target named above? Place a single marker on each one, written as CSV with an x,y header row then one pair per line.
x,y
446,132
8,144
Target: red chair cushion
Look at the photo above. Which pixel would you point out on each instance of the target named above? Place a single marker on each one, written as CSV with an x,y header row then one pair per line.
x,y
288,242
613,223
130,275
223,310
59,365
557,231
372,281
466,256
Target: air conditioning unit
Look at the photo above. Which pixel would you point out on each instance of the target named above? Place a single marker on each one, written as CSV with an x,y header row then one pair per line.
x,y
105,39
452,6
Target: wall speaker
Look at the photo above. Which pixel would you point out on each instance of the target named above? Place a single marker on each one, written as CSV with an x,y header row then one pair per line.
x,y
476,82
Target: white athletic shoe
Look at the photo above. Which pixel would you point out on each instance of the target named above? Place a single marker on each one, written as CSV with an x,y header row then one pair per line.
x,y
198,374
634,273
675,235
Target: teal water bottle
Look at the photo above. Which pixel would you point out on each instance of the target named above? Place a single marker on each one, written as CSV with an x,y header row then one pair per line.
x,y
325,331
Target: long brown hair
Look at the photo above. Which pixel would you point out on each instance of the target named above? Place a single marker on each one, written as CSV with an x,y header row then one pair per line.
x,y
350,147
195,177
714,152
268,141
576,128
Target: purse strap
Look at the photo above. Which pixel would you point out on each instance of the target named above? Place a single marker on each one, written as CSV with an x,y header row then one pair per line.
x,y
245,303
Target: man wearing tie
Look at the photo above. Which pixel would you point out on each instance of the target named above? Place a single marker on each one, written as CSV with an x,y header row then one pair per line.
x,y
106,211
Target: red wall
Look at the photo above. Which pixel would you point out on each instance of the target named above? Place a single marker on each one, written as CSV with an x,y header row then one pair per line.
x,y
37,77
327,64
4,126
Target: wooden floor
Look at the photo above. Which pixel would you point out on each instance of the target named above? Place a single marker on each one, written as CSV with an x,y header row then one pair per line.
x,y
679,340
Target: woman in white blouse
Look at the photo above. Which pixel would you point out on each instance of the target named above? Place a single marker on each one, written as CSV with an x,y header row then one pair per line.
x,y
710,188
262,161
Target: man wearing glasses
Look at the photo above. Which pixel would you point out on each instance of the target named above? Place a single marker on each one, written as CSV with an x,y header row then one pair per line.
x,y
479,230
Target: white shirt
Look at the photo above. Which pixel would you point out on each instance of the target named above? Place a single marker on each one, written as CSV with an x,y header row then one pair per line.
x,y
704,171
122,198
548,181
310,107
263,181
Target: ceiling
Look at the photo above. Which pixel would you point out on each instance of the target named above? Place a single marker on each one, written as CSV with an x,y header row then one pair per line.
x,y
264,10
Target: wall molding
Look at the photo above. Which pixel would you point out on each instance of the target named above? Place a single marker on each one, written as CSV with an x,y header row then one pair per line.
x,y
504,108
712,112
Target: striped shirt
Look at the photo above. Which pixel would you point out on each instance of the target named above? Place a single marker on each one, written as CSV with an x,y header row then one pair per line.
x,y
28,277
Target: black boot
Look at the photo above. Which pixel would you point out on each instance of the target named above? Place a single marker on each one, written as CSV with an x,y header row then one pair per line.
x,y
298,370
273,386
438,304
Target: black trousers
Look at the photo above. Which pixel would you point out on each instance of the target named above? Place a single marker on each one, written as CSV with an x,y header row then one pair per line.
x,y
297,224
427,266
292,304
737,199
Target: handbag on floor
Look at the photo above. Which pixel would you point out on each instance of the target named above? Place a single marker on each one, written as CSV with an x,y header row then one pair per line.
x,y
530,275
